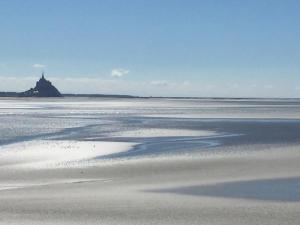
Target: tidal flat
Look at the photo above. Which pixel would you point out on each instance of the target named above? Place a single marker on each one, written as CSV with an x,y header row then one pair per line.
x,y
149,161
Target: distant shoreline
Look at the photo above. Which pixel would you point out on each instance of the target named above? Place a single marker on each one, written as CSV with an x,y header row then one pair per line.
x,y
17,95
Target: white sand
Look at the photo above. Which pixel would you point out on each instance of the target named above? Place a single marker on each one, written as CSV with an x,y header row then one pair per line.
x,y
149,191
155,132
40,154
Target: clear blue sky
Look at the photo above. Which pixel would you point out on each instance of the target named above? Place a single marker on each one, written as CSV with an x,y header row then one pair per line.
x,y
154,47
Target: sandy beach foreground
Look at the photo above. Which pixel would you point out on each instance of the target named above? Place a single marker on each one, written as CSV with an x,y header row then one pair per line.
x,y
149,161
261,187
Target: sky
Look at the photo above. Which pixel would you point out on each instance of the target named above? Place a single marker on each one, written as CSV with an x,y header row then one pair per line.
x,y
212,48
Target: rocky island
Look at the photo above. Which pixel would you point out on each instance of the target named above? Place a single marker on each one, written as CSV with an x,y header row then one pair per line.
x,y
43,88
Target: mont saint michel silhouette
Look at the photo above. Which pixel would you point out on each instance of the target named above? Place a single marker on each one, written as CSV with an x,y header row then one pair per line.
x,y
43,88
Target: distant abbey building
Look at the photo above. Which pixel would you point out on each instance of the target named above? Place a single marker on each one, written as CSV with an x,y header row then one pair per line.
x,y
43,88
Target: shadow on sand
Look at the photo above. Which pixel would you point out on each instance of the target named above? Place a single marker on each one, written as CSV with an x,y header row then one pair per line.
x,y
281,190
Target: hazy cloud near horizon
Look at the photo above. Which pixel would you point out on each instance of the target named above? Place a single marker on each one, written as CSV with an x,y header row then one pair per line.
x,y
91,85
37,65
119,72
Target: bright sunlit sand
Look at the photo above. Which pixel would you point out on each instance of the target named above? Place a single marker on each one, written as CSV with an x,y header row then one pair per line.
x,y
163,133
43,154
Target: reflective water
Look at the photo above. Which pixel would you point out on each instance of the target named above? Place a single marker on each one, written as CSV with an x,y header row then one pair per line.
x,y
226,121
